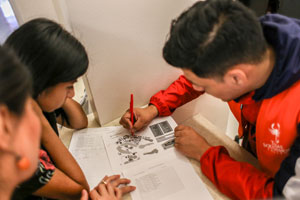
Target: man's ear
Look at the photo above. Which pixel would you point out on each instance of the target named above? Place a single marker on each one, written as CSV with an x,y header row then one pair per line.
x,y
6,127
236,77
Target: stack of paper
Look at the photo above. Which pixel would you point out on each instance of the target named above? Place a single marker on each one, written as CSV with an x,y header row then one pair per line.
x,y
148,159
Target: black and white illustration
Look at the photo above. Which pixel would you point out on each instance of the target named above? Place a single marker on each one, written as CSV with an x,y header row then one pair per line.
x,y
163,133
125,150
128,147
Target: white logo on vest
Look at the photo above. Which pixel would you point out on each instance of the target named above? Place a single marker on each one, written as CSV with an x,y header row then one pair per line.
x,y
274,146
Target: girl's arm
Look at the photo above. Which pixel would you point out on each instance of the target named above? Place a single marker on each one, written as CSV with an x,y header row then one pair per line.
x,y
66,165
75,115
60,186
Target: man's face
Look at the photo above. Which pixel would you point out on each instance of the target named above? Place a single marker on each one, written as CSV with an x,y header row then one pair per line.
x,y
225,89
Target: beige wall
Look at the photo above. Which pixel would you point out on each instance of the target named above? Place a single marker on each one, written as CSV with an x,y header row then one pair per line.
x,y
26,10
124,40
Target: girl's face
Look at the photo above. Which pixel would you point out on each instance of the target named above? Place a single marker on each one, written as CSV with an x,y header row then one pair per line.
x,y
24,141
28,137
54,97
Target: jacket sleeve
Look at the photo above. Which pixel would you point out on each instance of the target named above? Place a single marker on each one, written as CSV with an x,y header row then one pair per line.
x,y
178,93
287,179
238,180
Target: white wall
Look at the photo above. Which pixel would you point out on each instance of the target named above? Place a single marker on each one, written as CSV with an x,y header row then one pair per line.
x,y
124,40
26,10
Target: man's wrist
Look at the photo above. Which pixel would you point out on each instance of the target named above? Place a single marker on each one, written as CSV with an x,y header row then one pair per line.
x,y
203,150
153,110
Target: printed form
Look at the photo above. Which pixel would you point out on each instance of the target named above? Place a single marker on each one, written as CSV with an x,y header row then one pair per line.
x,y
148,159
88,149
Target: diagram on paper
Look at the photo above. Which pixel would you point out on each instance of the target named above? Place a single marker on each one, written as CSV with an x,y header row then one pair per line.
x,y
124,149
127,147
163,132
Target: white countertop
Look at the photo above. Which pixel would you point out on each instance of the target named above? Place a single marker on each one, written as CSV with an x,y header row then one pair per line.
x,y
205,128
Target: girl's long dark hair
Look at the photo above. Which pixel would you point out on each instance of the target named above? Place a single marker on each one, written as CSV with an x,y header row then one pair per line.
x,y
51,53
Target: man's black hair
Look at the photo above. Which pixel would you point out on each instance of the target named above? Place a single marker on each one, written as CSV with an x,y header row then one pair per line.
x,y
214,35
51,53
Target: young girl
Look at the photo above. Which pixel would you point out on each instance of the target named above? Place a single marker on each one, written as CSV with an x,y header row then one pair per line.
x,y
20,132
19,125
55,59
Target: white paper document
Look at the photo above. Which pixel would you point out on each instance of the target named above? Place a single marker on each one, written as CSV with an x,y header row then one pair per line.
x,y
167,179
89,151
148,159
126,151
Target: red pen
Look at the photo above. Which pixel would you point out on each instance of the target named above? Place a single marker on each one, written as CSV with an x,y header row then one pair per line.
x,y
131,112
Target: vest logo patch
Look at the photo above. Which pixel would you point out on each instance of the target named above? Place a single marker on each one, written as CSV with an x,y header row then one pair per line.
x,y
274,146
275,130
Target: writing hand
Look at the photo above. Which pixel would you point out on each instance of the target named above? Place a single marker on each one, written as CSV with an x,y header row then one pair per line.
x,y
143,117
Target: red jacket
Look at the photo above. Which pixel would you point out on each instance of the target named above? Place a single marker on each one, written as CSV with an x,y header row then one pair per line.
x,y
276,122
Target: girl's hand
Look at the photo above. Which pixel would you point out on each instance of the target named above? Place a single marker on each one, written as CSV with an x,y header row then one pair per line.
x,y
108,189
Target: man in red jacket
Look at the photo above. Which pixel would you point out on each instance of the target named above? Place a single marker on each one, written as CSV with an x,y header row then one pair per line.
x,y
254,65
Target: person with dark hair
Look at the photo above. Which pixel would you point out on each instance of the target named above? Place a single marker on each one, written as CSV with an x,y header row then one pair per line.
x,y
20,134
19,125
253,64
56,60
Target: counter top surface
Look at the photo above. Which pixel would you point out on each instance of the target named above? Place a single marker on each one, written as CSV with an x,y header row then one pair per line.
x,y
205,128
